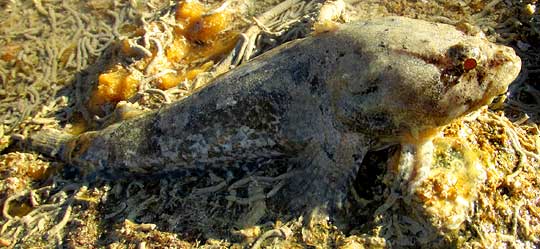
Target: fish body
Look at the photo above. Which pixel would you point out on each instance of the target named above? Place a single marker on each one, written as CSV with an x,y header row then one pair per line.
x,y
321,102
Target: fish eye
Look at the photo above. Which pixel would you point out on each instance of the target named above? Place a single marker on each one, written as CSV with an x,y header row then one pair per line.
x,y
469,64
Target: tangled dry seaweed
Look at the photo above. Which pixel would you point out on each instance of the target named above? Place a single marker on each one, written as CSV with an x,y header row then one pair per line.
x,y
45,45
486,161
52,44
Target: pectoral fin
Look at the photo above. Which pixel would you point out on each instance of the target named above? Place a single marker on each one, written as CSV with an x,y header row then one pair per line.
x,y
326,174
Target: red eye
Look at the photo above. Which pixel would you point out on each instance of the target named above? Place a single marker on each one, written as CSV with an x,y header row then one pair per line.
x,y
469,64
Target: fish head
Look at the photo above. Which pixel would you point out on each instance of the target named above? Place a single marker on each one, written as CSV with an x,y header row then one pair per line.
x,y
409,76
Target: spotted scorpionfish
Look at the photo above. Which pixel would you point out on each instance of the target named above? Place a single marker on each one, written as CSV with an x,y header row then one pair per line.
x,y
320,102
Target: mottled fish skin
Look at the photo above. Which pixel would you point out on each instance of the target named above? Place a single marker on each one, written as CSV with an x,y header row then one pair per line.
x,y
322,101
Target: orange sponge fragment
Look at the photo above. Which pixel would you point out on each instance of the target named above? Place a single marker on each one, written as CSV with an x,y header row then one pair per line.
x,y
113,86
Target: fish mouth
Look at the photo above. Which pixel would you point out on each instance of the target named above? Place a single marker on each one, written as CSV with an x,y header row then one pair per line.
x,y
508,66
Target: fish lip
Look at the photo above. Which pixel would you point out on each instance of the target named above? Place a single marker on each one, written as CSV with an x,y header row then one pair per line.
x,y
511,68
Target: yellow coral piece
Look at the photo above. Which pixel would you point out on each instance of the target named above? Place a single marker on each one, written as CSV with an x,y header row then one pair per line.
x,y
189,10
116,85
201,38
208,27
178,50
113,86
171,80
25,165
197,24
451,181
216,48
453,185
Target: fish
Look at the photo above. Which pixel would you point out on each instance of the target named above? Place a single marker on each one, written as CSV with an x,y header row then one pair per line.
x,y
320,103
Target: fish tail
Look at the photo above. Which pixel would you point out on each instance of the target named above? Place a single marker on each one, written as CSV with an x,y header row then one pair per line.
x,y
49,142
